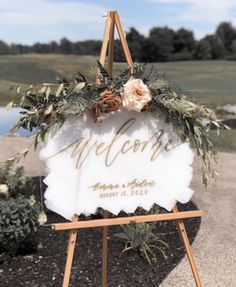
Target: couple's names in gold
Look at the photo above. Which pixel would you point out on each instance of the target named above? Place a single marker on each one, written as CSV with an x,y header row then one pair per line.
x,y
132,185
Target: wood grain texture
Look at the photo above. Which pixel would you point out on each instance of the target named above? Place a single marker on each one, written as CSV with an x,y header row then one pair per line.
x,y
126,220
184,237
70,253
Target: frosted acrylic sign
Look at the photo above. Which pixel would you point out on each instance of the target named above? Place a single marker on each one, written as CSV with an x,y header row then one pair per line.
x,y
127,161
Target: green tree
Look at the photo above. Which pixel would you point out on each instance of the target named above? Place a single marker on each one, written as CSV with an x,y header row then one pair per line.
x,y
4,48
53,47
183,40
88,47
119,53
14,50
136,43
233,51
203,50
159,45
184,43
218,50
66,46
227,33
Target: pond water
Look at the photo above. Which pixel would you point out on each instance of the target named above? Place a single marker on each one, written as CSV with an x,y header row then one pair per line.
x,y
7,120
9,117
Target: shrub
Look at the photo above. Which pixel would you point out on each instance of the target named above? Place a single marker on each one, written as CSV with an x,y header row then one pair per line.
x,y
17,183
20,216
18,222
141,237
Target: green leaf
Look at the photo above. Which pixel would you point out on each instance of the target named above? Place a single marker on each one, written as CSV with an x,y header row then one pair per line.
x,y
49,110
18,89
11,159
24,152
43,90
79,87
59,89
9,105
103,71
22,100
48,91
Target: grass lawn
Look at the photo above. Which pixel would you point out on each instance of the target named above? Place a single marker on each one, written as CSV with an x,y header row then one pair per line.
x,y
226,141
211,82
208,82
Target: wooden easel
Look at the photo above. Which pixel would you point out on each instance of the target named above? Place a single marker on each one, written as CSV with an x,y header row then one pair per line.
x,y
108,42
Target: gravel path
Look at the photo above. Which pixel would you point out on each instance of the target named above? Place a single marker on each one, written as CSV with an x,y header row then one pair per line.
x,y
215,245
10,145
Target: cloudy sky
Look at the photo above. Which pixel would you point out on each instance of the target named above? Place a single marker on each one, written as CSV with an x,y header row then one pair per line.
x,y
29,21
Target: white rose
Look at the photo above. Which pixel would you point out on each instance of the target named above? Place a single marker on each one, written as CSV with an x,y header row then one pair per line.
x,y
135,95
42,218
4,189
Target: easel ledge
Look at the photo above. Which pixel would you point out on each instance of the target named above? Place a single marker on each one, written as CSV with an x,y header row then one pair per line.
x,y
126,220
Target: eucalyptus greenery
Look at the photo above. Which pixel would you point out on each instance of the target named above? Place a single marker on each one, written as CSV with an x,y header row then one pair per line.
x,y
46,107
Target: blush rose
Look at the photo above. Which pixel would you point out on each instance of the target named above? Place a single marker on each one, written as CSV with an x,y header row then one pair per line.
x,y
135,95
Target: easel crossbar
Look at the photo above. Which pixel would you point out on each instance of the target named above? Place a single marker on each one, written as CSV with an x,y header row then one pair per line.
x,y
126,220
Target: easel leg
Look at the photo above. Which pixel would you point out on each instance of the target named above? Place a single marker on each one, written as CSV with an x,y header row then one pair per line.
x,y
123,41
106,39
104,251
111,44
184,238
70,253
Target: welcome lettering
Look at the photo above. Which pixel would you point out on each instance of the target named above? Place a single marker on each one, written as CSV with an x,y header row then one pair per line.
x,y
82,147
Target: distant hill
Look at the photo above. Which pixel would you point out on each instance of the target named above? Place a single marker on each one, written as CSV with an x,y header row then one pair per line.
x,y
36,68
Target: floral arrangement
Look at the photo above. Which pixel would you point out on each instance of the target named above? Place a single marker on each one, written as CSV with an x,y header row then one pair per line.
x,y
46,107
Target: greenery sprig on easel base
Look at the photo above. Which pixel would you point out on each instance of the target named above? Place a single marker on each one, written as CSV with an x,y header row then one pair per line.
x,y
46,107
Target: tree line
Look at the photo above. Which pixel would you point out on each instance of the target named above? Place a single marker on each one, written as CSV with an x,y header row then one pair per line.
x,y
162,44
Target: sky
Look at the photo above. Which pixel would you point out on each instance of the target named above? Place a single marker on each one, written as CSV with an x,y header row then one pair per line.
x,y
30,21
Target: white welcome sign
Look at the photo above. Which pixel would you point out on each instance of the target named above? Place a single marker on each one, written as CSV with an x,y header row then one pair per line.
x,y
127,161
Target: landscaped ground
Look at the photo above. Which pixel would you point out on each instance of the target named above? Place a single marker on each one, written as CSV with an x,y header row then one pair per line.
x,y
46,267
214,247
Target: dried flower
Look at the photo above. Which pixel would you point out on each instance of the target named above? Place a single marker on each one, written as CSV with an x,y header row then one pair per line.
x,y
4,190
135,95
204,112
42,218
200,109
107,104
